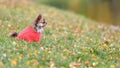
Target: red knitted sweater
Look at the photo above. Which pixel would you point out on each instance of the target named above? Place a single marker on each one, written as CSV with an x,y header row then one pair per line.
x,y
29,34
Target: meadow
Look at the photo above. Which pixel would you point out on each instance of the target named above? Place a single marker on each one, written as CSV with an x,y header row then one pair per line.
x,y
68,41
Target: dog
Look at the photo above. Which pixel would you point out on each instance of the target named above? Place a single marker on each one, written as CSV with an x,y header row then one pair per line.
x,y
32,32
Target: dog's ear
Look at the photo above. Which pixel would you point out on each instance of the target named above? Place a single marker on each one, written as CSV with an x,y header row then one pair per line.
x,y
38,18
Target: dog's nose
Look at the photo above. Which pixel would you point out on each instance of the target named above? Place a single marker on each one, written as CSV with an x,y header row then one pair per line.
x,y
39,27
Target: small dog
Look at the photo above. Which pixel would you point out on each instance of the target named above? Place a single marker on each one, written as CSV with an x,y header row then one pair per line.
x,y
31,32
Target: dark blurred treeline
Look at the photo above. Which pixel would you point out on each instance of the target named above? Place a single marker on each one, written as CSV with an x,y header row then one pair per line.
x,y
100,10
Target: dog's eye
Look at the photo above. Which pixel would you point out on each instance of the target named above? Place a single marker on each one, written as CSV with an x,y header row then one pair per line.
x,y
44,22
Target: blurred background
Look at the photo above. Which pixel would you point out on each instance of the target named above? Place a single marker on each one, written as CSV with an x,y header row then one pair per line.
x,y
105,11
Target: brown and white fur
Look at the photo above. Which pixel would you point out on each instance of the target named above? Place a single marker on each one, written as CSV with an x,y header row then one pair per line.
x,y
37,25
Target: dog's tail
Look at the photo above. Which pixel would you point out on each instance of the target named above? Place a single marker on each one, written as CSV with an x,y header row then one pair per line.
x,y
13,34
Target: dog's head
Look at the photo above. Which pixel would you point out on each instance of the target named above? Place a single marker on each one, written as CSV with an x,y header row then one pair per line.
x,y
39,23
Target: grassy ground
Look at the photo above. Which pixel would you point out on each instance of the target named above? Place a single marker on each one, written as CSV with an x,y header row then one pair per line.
x,y
68,40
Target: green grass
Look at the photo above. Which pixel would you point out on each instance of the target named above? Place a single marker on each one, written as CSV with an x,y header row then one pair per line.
x,y
68,40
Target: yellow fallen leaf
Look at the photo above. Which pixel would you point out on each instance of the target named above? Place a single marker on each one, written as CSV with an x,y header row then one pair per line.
x,y
25,47
1,64
20,56
28,62
105,46
87,63
46,50
35,61
112,66
14,61
36,52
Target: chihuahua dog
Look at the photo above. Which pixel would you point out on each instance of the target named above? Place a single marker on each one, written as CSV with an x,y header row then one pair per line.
x,y
32,32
